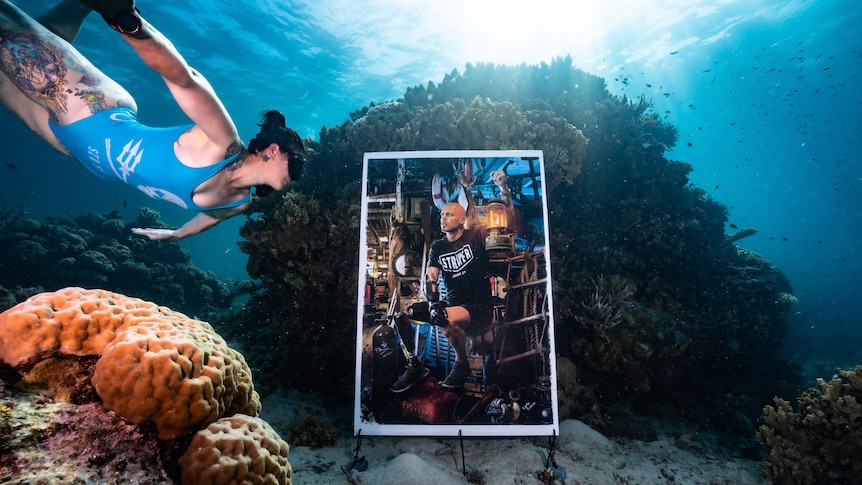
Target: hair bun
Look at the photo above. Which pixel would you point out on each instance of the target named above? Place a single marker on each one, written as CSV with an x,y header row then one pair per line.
x,y
272,119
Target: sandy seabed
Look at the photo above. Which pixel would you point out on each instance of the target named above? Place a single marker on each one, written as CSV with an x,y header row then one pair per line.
x,y
87,444
680,455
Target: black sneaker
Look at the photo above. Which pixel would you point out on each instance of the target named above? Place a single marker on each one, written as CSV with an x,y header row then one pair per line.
x,y
413,374
456,376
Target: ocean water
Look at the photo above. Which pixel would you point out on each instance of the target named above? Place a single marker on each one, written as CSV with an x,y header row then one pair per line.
x,y
765,95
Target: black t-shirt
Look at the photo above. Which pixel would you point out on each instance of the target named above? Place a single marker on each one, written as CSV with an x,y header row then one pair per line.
x,y
464,268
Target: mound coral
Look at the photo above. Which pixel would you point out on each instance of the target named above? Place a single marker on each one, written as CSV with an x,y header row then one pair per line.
x,y
238,449
156,365
822,442
176,372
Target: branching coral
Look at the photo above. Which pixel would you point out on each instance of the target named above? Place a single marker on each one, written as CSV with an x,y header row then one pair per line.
x,y
604,309
149,218
10,216
822,441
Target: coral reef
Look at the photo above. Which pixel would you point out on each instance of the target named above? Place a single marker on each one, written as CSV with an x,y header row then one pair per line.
x,y
656,308
821,442
101,361
238,449
309,241
155,365
93,250
701,319
573,399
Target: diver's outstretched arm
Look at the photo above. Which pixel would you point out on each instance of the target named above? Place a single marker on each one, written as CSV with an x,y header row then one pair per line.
x,y
189,88
199,223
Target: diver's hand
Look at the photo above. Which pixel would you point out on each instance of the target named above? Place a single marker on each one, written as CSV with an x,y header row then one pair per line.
x,y
156,234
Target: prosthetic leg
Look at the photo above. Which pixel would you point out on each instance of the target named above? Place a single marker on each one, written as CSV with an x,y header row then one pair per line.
x,y
415,371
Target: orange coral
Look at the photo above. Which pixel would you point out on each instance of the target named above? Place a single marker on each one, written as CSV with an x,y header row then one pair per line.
x,y
239,449
177,373
156,364
70,321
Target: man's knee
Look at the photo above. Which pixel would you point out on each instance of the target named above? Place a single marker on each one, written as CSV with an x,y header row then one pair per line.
x,y
458,316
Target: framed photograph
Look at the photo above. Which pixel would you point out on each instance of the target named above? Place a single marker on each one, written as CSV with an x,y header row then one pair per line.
x,y
455,330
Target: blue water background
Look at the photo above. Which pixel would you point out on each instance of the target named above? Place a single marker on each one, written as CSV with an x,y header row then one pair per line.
x,y
765,94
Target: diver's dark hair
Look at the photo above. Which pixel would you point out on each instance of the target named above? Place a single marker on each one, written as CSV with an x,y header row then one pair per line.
x,y
273,130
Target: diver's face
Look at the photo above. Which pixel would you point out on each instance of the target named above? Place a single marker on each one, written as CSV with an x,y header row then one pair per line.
x,y
451,218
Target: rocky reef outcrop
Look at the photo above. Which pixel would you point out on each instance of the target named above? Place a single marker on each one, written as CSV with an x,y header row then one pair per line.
x,y
659,311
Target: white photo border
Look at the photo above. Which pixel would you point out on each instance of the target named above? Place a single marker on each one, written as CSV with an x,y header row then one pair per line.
x,y
370,427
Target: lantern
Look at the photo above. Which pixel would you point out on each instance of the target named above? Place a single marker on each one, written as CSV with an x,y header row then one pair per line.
x,y
497,222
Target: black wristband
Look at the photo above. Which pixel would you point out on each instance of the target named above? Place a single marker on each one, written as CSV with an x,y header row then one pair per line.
x,y
127,22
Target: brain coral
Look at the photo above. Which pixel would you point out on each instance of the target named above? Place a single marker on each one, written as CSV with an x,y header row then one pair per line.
x,y
238,449
156,365
69,321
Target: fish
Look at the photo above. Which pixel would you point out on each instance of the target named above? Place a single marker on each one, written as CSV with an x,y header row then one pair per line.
x,y
13,167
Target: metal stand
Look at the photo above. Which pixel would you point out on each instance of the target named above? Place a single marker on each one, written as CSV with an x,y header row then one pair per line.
x,y
552,471
359,463
463,463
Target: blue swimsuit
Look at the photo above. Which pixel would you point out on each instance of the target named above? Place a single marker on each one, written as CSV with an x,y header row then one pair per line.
x,y
114,146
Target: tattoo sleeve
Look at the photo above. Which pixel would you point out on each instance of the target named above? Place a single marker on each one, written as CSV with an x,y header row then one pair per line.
x,y
36,67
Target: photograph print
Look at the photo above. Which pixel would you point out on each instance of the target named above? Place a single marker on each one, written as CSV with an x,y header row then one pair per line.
x,y
455,315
